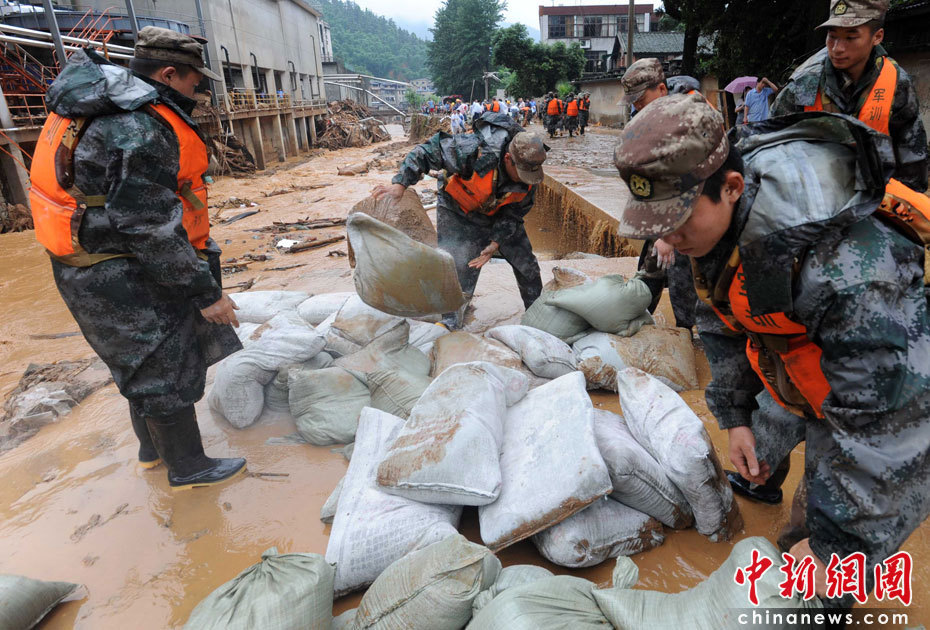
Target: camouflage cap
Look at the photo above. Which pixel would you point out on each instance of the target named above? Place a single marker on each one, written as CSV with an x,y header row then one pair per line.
x,y
852,13
682,84
162,44
640,76
664,156
528,152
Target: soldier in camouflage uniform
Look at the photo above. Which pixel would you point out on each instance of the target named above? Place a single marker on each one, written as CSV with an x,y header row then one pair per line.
x,y
786,242
509,160
157,315
853,33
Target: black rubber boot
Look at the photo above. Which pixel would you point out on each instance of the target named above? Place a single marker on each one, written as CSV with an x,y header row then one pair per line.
x,y
148,455
177,439
766,493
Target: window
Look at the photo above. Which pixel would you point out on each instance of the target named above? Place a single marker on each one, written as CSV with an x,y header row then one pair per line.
x,y
557,25
593,60
592,26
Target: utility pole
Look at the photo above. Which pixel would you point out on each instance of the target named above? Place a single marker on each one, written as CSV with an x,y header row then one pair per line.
x,y
56,34
133,24
630,27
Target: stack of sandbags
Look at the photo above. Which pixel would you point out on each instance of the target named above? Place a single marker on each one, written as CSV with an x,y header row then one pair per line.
x,y
282,592
314,310
543,354
667,428
354,326
258,307
462,347
665,353
550,431
371,528
406,214
554,320
399,275
448,451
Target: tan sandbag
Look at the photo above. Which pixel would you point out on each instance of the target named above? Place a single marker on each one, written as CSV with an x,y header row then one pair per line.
x,y
398,275
406,214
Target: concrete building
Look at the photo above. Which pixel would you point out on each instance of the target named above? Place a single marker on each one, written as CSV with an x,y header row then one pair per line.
x,y
595,27
423,87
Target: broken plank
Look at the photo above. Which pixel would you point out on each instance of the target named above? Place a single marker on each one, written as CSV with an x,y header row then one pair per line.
x,y
314,244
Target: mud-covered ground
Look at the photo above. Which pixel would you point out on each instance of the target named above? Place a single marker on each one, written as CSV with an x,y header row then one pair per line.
x,y
74,505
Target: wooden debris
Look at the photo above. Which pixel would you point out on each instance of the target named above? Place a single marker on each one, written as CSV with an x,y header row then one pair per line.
x,y
313,244
292,189
350,124
279,227
242,215
350,170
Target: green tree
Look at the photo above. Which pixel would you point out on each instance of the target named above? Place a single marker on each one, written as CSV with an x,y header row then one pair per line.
x,y
537,68
461,48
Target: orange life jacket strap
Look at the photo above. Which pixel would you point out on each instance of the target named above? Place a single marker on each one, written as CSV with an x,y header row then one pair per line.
x,y
876,110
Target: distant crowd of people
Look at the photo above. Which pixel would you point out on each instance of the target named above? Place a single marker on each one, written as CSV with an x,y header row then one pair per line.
x,y
572,111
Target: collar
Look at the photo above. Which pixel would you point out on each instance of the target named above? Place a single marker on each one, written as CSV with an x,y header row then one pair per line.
x,y
842,83
170,96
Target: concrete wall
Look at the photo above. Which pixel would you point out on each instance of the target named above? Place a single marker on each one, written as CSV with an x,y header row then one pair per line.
x,y
605,96
917,64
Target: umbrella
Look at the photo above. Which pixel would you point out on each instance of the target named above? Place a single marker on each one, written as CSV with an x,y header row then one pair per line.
x,y
736,86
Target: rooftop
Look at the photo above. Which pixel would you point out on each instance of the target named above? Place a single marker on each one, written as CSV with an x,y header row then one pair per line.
x,y
661,43
595,9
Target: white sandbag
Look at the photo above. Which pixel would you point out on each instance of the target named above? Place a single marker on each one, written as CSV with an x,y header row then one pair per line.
x,y
605,529
259,306
514,575
429,589
372,529
637,478
665,353
544,354
448,451
666,427
317,308
714,604
326,404
356,325
344,621
559,322
463,347
551,429
424,333
328,511
290,591
238,387
389,351
610,304
244,332
396,391
276,392
398,275
561,602
406,214
25,601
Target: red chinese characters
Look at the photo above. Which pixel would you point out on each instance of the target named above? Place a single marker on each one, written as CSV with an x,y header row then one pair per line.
x,y
847,577
893,578
751,574
798,579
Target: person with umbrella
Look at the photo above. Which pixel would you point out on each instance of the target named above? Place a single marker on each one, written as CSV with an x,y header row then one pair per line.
x,y
756,101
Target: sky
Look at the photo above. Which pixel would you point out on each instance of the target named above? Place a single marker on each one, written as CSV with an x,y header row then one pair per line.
x,y
417,15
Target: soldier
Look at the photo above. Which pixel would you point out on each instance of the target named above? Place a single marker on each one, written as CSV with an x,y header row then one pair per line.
x,y
571,114
119,202
584,105
488,185
853,75
806,295
554,110
643,82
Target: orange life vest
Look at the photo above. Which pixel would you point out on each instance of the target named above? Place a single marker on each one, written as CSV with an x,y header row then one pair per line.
x,y
493,107
584,104
876,111
554,108
477,193
572,108
58,206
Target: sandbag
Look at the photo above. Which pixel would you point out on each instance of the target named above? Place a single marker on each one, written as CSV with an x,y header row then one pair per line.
x,y
463,347
605,529
423,334
389,351
355,326
372,529
396,391
665,353
556,603
666,427
344,621
290,591
514,575
551,429
244,332
238,387
328,511
545,355
406,214
611,304
260,306
317,308
556,321
714,604
448,451
326,404
637,478
25,601
276,392
398,275
429,589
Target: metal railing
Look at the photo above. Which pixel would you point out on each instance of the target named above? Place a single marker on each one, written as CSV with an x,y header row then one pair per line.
x,y
248,100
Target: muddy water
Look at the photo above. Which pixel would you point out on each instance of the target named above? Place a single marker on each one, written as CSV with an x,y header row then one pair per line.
x,y
74,506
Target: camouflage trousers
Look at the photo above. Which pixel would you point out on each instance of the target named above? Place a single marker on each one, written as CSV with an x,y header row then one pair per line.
x,y
465,239
679,280
571,123
583,119
552,123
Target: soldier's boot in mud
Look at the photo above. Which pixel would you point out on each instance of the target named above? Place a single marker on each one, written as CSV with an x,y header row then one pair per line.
x,y
769,492
148,454
177,438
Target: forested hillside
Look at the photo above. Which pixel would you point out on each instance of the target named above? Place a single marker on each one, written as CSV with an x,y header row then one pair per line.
x,y
371,44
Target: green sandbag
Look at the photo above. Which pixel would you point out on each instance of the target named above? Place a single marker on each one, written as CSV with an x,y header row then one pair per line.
x,y
612,304
291,591
396,391
24,601
326,404
509,577
556,321
554,603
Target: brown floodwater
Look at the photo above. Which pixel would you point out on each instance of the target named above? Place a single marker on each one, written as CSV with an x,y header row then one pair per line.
x,y
74,505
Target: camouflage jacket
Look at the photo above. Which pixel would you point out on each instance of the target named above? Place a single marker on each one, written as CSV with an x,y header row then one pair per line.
x,y
905,126
812,249
466,154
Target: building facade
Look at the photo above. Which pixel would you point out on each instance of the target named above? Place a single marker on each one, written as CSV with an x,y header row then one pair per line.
x,y
423,87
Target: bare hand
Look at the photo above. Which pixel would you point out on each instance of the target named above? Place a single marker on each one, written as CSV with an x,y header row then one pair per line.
x,y
665,254
743,455
802,549
394,191
223,311
484,256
